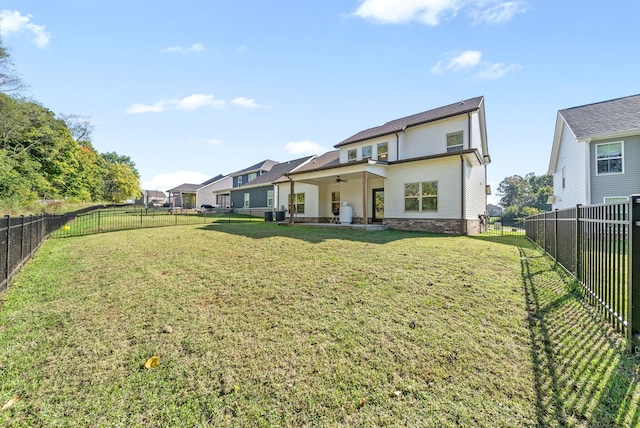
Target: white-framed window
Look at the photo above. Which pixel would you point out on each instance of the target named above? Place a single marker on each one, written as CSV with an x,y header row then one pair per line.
x,y
247,200
610,158
455,141
252,176
351,155
366,152
239,181
564,176
383,151
421,196
269,198
298,203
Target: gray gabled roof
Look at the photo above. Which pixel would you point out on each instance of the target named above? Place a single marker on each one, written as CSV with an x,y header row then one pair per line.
x,y
185,188
464,106
604,118
265,165
276,172
211,180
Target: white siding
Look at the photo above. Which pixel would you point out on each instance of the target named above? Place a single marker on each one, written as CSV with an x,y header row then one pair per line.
x,y
389,139
431,138
207,194
445,171
311,198
572,156
475,192
476,137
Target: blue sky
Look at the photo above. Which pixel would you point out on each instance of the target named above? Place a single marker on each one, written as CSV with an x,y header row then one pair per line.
x,y
196,88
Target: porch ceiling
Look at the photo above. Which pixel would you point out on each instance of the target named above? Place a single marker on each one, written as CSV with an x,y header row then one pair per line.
x,y
347,172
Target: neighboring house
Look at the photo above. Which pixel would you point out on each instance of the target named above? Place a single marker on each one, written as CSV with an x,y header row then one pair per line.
x,y
596,153
244,177
183,196
215,192
422,172
152,198
494,210
260,193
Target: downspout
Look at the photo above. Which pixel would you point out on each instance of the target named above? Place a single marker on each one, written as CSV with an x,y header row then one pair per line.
x,y
464,196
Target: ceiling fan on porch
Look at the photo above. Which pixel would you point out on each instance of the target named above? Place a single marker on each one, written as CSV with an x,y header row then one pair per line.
x,y
340,180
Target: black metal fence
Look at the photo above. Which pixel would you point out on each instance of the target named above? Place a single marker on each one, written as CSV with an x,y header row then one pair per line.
x,y
600,246
21,236
505,226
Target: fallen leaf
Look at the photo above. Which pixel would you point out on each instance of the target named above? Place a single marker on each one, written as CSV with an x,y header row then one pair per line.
x,y
152,362
10,403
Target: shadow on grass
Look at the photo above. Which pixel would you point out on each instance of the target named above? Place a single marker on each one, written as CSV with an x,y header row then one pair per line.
x,y
311,234
582,373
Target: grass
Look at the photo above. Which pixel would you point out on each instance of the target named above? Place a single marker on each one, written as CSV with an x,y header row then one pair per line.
x,y
261,325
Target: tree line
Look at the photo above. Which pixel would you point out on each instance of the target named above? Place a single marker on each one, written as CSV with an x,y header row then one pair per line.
x,y
49,156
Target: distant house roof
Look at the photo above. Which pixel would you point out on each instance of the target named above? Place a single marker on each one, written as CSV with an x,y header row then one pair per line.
x,y
265,165
277,172
325,161
617,116
155,193
186,188
211,180
464,106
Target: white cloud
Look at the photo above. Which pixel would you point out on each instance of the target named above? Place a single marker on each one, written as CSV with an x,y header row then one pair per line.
x,y
469,61
495,71
499,13
457,62
195,101
189,103
303,148
197,47
246,102
242,49
432,12
429,12
143,108
15,22
164,182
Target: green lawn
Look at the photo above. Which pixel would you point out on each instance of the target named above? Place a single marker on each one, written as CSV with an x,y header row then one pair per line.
x,y
263,325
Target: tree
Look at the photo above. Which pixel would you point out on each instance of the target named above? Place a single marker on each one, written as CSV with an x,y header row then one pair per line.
x,y
522,196
9,79
122,180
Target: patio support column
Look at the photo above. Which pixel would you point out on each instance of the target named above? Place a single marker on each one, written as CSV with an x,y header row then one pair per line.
x,y
365,202
291,202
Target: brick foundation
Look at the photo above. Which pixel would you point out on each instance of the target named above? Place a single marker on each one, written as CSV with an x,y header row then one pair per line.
x,y
448,226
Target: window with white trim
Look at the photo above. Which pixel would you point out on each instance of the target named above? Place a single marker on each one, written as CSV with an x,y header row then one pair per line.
x,y
247,200
455,141
421,196
269,198
615,199
351,155
239,181
252,176
383,151
564,176
298,203
366,152
609,158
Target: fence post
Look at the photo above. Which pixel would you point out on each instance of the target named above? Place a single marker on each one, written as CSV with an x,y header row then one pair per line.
x,y
7,219
633,307
578,244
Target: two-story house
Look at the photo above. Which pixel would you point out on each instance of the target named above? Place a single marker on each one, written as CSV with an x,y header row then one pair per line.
x,y
595,157
242,178
422,172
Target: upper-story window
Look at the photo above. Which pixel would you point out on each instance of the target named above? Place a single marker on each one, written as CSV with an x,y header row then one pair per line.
x,y
351,155
455,141
609,158
366,152
252,176
239,181
383,151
